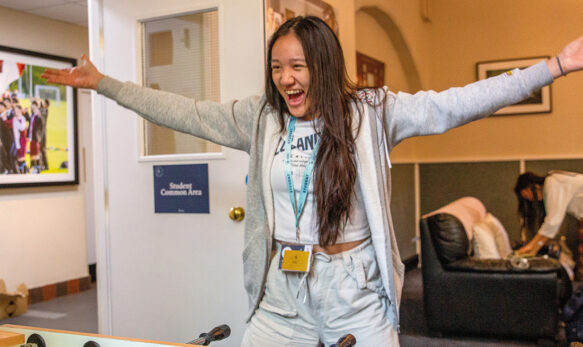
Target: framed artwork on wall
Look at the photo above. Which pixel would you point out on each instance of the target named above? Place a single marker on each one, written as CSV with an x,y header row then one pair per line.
x,y
539,102
278,11
370,72
38,127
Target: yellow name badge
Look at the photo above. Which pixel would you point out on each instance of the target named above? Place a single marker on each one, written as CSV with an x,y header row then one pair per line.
x,y
296,258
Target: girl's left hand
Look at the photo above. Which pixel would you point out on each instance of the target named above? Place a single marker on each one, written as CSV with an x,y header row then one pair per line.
x,y
572,56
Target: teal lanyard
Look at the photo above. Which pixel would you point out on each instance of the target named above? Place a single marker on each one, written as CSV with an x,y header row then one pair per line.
x,y
288,174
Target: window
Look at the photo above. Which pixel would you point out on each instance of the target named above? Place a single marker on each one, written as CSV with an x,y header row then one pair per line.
x,y
181,55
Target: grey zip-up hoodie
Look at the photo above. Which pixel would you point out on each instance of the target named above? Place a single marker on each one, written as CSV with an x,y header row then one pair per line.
x,y
241,125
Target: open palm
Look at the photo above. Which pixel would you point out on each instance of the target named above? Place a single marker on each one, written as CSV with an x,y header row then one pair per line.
x,y
83,76
572,56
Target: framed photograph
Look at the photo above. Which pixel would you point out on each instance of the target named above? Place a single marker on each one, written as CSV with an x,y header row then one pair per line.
x,y
278,11
38,127
539,102
370,72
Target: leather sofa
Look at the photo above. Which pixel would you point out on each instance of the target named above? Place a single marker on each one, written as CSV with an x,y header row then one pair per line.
x,y
496,297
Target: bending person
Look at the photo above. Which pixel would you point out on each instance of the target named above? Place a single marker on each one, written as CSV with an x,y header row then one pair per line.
x,y
330,199
543,203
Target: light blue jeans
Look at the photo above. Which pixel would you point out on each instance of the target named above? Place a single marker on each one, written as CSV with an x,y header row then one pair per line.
x,y
342,294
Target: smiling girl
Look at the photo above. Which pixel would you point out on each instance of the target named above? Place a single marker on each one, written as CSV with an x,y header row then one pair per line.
x,y
320,257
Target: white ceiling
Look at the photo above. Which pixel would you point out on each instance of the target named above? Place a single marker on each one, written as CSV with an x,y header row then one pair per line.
x,y
71,11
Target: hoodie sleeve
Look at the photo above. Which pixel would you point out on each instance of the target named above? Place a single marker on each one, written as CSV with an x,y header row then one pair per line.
x,y
430,112
228,124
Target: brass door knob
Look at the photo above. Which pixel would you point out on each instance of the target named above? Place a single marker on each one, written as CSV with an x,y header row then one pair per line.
x,y
237,213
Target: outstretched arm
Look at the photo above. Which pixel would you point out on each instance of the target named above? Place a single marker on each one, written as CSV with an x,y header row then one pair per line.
x,y
228,124
569,60
429,112
85,75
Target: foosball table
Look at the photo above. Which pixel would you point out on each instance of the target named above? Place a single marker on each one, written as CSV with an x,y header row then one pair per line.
x,y
23,336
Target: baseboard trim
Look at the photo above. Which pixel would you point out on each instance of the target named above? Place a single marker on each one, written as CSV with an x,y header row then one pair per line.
x,y
55,290
411,262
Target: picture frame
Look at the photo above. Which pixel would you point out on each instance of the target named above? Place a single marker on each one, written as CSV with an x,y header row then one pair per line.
x,y
276,12
38,123
369,71
539,102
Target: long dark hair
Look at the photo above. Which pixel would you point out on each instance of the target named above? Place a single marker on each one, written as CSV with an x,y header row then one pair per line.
x,y
330,96
531,212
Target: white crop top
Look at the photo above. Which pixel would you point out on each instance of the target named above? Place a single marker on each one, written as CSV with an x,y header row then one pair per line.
x,y
285,230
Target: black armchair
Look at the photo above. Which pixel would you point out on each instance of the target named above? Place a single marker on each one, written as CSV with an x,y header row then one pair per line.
x,y
485,296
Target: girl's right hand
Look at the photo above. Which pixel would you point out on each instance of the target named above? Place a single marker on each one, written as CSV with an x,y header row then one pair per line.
x,y
82,76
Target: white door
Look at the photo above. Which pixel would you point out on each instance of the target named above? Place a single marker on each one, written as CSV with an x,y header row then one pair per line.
x,y
168,277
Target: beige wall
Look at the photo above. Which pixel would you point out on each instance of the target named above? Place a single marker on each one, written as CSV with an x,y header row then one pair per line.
x,y
42,230
400,60
462,33
405,14
345,11
374,42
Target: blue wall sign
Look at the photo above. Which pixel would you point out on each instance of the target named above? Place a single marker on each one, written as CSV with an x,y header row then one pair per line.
x,y
181,188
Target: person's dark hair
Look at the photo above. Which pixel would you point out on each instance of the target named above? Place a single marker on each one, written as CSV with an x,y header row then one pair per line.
x,y
330,95
531,212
